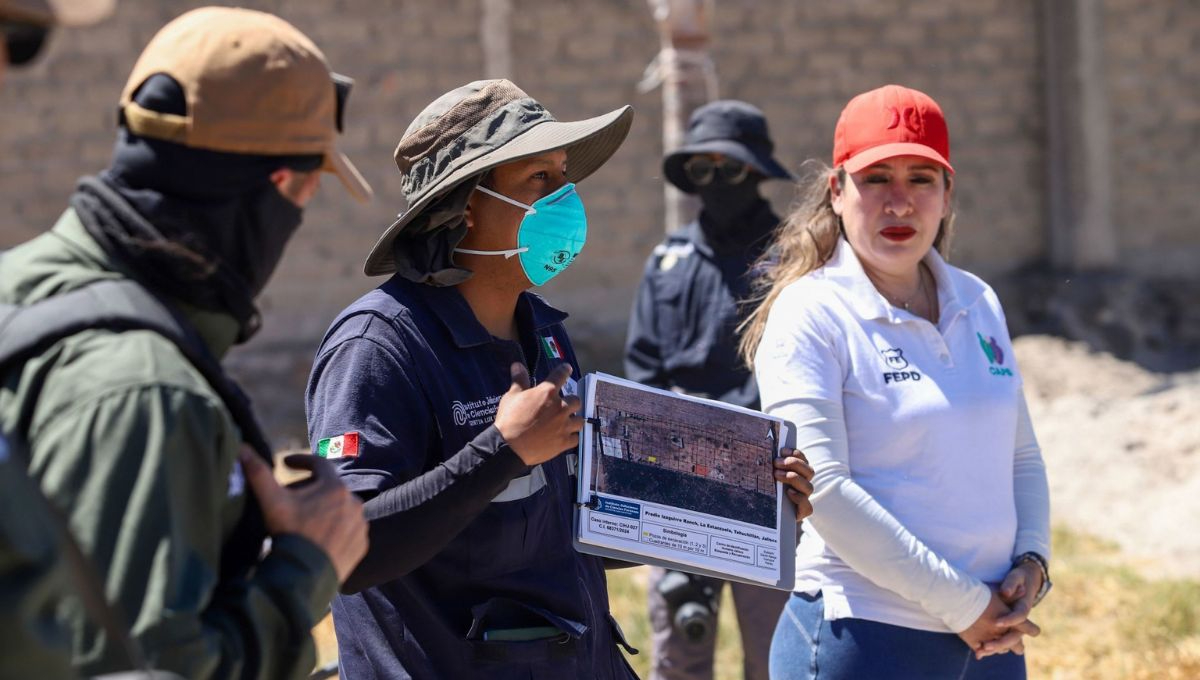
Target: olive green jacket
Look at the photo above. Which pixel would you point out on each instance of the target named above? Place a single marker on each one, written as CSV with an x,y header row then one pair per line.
x,y
128,438
33,578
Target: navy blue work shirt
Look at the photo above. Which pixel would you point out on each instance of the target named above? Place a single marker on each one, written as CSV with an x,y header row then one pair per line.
x,y
467,543
682,330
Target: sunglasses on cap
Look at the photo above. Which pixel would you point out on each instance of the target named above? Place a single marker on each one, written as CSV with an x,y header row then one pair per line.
x,y
702,170
341,87
24,41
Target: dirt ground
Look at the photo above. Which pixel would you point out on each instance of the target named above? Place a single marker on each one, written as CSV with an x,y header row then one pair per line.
x,y
1122,449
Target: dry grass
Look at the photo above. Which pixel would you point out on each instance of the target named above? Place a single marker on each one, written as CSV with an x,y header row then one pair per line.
x,y
1102,622
1105,622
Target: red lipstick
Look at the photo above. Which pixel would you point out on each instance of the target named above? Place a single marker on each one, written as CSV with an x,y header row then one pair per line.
x,y
898,234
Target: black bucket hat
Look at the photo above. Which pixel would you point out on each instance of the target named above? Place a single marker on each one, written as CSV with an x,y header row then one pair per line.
x,y
729,127
445,151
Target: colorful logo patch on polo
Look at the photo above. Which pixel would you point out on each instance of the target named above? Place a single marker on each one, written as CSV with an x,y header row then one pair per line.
x,y
995,355
343,445
551,346
991,348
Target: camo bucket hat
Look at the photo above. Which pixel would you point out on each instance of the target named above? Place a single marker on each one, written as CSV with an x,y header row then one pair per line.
x,y
448,148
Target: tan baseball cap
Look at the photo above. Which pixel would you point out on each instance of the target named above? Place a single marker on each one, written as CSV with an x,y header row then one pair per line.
x,y
57,12
254,84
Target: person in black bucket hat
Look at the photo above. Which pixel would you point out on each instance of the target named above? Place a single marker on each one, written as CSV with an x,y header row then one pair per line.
x,y
728,127
682,337
421,391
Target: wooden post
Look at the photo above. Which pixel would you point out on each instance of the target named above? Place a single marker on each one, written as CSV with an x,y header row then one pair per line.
x,y
688,77
495,37
1078,150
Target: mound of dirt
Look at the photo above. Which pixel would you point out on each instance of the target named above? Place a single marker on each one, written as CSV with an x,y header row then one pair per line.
x,y
1122,450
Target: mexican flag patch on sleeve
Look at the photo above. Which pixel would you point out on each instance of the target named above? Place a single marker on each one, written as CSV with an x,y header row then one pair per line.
x,y
551,346
336,447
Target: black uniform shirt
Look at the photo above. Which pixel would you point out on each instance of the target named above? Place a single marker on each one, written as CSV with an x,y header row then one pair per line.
x,y
682,331
465,539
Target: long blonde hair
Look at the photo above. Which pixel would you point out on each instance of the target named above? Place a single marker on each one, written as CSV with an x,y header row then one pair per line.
x,y
803,243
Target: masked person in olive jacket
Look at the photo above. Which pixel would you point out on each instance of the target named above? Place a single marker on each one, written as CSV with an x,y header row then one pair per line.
x,y
682,336
124,434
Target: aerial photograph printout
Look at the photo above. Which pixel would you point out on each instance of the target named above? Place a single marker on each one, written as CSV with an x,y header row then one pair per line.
x,y
681,481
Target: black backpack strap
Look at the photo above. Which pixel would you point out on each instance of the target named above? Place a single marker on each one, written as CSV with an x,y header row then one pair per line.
x,y
120,305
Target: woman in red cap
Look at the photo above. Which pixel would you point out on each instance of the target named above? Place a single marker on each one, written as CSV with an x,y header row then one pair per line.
x,y
930,538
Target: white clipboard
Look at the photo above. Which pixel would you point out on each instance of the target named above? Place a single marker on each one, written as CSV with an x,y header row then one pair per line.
x,y
683,482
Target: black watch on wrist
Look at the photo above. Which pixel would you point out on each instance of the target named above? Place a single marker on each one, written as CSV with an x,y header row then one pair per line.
x,y
1041,564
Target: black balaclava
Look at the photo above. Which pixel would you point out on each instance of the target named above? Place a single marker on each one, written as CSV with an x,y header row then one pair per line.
x,y
729,212
207,228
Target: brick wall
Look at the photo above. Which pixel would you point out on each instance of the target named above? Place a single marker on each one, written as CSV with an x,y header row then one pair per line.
x,y
1152,57
798,60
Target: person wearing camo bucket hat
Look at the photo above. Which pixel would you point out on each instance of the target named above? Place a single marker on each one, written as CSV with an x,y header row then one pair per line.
x,y
421,393
451,145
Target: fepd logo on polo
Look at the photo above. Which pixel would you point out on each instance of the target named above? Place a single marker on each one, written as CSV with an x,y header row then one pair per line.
x,y
995,355
894,358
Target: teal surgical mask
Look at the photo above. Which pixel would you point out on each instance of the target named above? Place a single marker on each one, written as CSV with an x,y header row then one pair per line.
x,y
551,234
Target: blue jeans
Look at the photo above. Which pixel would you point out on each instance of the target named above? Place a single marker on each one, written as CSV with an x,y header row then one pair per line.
x,y
808,647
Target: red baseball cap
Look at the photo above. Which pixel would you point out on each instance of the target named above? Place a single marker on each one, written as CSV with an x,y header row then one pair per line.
x,y
887,122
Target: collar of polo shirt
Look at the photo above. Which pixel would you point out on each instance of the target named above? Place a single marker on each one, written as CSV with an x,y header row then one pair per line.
x,y
845,269
452,310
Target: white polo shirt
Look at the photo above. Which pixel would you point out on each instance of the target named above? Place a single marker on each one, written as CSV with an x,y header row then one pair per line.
x,y
928,477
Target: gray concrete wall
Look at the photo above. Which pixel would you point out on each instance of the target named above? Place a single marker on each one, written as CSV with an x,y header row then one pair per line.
x,y
1152,58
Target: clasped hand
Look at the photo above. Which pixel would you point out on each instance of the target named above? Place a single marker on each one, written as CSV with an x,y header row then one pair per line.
x,y
1004,624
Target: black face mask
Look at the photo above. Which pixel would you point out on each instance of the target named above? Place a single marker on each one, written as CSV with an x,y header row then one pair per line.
x,y
727,207
221,224
205,227
221,270
24,41
267,221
